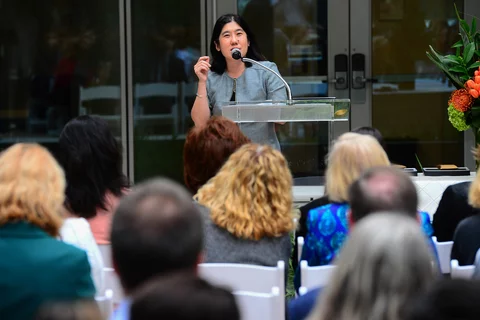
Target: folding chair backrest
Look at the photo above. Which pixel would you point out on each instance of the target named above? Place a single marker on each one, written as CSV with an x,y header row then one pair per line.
x,y
444,249
315,277
260,306
461,272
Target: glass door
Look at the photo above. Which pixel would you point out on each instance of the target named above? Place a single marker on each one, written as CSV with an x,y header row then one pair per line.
x,y
395,88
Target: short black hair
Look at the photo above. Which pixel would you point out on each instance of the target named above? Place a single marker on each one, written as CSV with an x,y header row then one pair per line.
x,y
156,229
183,297
91,157
374,132
382,189
219,64
448,299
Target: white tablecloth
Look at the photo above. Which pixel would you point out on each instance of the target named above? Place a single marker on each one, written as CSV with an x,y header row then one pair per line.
x,y
430,190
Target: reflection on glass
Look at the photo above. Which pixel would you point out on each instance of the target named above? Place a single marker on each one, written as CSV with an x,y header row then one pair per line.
x,y
410,97
293,34
166,45
51,54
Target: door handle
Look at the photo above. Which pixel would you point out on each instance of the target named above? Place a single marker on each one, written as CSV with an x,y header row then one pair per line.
x,y
358,72
341,72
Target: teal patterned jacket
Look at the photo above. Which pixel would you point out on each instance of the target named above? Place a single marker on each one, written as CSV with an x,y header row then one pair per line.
x,y
327,230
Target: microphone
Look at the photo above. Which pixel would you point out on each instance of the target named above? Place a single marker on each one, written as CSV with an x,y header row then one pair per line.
x,y
237,55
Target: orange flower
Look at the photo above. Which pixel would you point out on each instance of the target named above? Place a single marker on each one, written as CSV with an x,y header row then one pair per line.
x,y
461,100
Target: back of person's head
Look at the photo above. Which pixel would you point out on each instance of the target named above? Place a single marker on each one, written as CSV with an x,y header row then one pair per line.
x,y
351,154
156,229
385,261
251,195
448,299
183,297
32,187
207,148
92,159
70,310
371,132
382,189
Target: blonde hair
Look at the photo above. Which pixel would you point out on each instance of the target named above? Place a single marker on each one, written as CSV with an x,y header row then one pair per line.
x,y
32,187
251,195
384,263
351,154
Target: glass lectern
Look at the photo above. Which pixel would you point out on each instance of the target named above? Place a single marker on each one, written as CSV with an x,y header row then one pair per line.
x,y
309,129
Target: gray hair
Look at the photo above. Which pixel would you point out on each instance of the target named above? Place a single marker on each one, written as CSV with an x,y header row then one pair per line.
x,y
385,261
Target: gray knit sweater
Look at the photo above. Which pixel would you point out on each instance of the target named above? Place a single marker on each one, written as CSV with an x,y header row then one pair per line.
x,y
222,247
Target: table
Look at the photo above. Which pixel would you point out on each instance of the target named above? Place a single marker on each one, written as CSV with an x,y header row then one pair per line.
x,y
429,189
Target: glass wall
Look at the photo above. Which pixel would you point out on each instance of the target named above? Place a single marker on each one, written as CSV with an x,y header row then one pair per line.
x,y
293,34
409,103
166,44
52,53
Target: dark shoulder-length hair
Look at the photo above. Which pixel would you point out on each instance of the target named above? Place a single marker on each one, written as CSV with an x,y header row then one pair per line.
x,y
207,148
92,160
219,64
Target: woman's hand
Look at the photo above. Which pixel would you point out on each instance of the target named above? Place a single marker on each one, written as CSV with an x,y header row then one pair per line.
x,y
201,68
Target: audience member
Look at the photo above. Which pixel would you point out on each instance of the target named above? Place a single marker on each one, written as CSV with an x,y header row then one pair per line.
x,y
374,132
35,267
452,209
156,230
207,148
183,297
76,310
92,159
327,225
384,263
250,206
302,223
378,189
466,239
448,299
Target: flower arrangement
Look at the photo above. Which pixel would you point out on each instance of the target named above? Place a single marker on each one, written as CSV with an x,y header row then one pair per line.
x,y
463,70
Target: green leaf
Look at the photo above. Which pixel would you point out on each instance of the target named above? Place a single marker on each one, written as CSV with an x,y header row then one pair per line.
x,y
465,27
473,28
454,79
468,52
457,52
464,78
458,44
459,69
452,59
418,161
474,65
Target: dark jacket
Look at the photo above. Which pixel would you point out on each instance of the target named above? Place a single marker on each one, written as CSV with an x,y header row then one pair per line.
x,y
302,224
36,268
452,209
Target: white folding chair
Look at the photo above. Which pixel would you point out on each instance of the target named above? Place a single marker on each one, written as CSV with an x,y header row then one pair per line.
x,y
315,277
244,277
106,252
260,306
300,243
461,272
98,93
112,282
444,249
158,89
105,304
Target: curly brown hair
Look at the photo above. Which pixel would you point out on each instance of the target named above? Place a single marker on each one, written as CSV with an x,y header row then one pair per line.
x,y
251,195
32,187
207,148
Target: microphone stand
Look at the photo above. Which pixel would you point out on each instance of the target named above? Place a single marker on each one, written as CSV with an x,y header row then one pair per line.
x,y
236,55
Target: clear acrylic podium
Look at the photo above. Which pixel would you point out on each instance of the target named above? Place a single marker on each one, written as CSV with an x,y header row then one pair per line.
x,y
329,110
306,137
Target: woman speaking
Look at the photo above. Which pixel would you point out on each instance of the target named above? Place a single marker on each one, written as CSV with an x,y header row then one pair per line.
x,y
225,79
